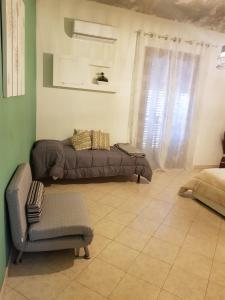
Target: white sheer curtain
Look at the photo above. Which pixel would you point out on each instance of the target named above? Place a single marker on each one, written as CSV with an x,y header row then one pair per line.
x,y
167,82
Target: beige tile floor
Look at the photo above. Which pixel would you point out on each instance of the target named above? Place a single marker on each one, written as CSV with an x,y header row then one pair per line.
x,y
149,244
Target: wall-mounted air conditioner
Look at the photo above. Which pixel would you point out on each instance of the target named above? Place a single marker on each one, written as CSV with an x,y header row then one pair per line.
x,y
96,31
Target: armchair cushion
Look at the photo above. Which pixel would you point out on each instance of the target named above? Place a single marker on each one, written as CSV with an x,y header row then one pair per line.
x,y
64,214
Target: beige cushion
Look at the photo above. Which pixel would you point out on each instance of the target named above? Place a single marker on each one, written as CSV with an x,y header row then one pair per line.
x,y
100,140
81,140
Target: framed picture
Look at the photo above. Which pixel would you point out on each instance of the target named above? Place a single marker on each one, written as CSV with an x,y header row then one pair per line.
x,y
13,34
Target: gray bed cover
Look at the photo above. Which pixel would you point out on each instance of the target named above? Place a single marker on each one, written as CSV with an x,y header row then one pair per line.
x,y
53,158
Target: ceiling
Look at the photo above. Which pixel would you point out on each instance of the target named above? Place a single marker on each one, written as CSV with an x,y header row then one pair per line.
x,y
206,13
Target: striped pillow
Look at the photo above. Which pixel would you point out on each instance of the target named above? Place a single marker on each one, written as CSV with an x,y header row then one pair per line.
x,y
100,140
34,202
81,140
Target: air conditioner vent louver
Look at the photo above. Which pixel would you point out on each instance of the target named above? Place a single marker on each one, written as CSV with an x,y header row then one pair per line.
x,y
94,30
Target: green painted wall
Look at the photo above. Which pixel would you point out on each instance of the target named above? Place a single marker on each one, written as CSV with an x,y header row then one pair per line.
x,y
17,128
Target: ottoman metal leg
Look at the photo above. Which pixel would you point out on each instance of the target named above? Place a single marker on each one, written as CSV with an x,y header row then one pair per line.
x,y
87,253
77,252
18,258
138,179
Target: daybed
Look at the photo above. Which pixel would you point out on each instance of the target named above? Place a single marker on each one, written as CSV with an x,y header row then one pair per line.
x,y
55,159
208,186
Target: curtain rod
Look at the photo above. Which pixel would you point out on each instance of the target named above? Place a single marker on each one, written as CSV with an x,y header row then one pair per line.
x,y
179,39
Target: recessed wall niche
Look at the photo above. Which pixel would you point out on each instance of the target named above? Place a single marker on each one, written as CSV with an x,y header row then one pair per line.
x,y
93,47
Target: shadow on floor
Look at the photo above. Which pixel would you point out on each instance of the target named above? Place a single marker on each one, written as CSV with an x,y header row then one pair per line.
x,y
44,263
117,179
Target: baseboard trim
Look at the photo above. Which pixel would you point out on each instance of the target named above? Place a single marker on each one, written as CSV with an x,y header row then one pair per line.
x,y
201,167
5,277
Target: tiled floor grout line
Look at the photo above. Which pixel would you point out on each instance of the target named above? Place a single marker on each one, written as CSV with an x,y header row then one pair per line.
x,y
213,258
140,252
63,290
98,256
90,264
87,287
126,272
104,215
18,292
82,284
171,266
180,247
161,290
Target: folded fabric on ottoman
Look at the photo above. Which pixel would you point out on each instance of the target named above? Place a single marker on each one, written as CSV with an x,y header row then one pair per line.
x,y
34,202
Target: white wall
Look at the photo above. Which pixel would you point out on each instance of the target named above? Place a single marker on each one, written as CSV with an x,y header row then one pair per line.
x,y
211,129
61,110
